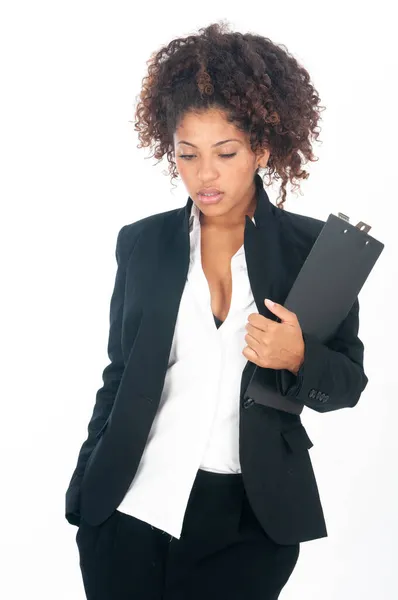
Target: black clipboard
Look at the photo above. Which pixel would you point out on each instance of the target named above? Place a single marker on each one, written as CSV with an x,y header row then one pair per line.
x,y
323,294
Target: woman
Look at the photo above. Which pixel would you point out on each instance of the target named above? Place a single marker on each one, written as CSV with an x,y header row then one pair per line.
x,y
184,487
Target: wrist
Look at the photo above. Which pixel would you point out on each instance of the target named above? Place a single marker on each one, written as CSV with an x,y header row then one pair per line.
x,y
296,366
295,369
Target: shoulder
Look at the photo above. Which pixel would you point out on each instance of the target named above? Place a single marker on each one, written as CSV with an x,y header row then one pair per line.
x,y
303,230
308,226
130,233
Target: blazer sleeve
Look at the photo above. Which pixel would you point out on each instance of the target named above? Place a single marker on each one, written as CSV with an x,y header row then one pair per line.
x,y
111,377
332,374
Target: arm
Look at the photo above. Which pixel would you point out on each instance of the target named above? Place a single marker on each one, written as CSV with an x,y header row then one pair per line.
x,y
111,376
332,375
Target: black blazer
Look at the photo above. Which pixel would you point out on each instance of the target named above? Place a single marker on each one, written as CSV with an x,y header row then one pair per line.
x,y
152,257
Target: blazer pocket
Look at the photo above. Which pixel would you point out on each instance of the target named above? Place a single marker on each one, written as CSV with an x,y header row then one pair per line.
x,y
297,438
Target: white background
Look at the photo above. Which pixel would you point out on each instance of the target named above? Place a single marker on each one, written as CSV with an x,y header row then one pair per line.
x,y
72,176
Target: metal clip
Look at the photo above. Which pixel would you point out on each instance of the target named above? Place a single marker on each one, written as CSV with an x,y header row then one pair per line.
x,y
363,226
343,216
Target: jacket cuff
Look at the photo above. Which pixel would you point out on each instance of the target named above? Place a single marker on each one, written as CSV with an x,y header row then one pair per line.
x,y
310,373
72,502
288,383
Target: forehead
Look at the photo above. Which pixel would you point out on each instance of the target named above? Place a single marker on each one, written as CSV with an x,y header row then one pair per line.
x,y
206,128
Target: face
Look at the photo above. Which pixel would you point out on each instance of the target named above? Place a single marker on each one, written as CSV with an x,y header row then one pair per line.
x,y
205,160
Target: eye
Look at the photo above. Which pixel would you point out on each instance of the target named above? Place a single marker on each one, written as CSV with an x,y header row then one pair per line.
x,y
189,156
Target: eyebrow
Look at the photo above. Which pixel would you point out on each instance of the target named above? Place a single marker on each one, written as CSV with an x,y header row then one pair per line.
x,y
217,144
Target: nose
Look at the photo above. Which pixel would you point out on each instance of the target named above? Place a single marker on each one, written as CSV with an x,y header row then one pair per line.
x,y
207,173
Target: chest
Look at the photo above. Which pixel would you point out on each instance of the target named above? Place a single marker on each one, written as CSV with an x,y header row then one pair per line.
x,y
217,249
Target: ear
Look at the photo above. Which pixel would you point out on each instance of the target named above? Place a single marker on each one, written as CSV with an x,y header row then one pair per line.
x,y
263,158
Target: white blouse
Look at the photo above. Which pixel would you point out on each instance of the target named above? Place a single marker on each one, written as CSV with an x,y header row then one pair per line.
x,y
197,422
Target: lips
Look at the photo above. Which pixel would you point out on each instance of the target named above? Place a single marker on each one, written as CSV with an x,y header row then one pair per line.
x,y
213,199
209,191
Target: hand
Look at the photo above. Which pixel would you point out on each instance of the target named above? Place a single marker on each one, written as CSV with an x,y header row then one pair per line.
x,y
275,345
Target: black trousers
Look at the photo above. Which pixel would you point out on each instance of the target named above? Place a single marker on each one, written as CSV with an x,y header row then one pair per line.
x,y
223,553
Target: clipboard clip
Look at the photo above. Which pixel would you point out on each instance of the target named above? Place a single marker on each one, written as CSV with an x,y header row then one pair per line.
x,y
361,225
343,216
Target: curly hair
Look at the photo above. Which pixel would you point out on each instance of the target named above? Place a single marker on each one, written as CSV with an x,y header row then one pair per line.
x,y
257,84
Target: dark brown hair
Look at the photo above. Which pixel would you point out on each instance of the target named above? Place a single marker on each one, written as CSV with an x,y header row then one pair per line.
x,y
260,87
